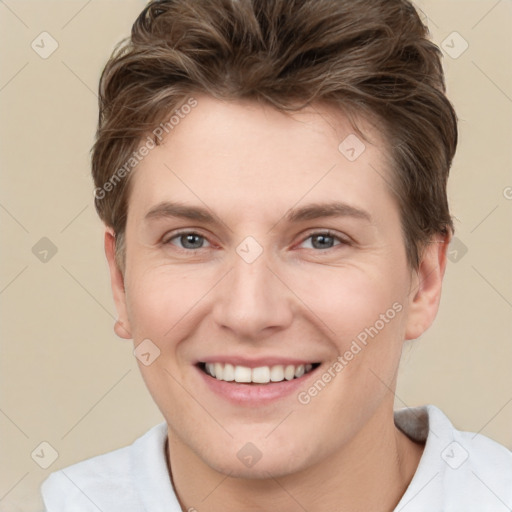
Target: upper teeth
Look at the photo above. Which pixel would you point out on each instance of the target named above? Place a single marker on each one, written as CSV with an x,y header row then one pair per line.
x,y
260,375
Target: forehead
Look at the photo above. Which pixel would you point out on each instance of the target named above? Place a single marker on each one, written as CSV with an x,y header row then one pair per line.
x,y
258,158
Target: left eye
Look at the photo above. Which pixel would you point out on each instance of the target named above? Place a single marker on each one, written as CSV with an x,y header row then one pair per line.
x,y
323,241
189,240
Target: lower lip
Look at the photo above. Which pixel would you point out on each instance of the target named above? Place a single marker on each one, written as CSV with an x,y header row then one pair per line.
x,y
255,394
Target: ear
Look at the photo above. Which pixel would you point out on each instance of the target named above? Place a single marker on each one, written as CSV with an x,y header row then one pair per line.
x,y
122,325
425,293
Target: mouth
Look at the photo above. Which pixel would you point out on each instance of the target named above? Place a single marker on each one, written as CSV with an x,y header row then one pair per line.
x,y
261,375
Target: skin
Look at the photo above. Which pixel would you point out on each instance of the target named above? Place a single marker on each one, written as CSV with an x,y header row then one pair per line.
x,y
249,165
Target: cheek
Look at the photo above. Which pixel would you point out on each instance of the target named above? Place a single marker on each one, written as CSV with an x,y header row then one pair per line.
x,y
160,298
363,312
352,301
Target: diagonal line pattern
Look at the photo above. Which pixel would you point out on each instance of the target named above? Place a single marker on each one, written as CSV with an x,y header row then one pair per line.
x,y
88,292
76,14
74,218
13,77
216,487
495,289
486,14
485,218
389,184
5,495
280,423
492,81
476,433
82,491
286,491
13,279
15,424
490,490
197,302
402,401
300,300
14,218
420,490
429,19
198,402
300,199
79,79
104,395
206,206
13,13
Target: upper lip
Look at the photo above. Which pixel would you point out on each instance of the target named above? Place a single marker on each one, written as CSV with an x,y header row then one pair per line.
x,y
257,362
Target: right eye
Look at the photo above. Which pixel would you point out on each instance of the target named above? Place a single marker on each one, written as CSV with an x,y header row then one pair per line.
x,y
186,240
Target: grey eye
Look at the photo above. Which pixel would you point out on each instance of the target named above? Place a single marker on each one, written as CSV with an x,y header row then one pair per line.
x,y
188,240
323,241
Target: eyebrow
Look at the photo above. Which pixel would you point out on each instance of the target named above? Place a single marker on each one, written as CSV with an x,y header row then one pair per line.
x,y
331,209
313,211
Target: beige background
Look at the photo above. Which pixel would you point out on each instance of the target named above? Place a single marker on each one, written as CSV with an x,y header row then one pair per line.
x,y
67,380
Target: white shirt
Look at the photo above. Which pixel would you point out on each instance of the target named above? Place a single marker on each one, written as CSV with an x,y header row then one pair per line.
x,y
458,472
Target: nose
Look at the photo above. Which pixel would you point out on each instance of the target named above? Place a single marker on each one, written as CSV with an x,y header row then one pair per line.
x,y
253,301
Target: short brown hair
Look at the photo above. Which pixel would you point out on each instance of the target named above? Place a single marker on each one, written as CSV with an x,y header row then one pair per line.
x,y
370,58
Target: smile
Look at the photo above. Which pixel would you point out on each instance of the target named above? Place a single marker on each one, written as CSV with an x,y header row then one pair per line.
x,y
261,375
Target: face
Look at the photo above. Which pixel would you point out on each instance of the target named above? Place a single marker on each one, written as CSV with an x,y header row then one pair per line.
x,y
257,251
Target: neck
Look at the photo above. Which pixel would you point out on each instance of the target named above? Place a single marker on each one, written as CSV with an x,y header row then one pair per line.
x,y
371,473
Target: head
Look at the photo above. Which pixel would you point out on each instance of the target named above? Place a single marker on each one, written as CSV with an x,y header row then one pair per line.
x,y
228,129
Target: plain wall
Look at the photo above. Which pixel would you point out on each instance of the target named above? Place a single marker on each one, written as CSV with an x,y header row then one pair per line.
x,y
68,380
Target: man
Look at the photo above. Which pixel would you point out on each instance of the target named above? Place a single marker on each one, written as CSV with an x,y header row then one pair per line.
x,y
272,177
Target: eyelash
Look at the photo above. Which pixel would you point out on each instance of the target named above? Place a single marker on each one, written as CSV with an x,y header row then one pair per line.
x,y
327,233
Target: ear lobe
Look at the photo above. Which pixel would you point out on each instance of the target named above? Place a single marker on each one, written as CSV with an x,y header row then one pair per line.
x,y
425,293
122,326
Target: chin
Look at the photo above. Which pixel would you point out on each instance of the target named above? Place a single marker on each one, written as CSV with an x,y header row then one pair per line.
x,y
261,470
261,460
